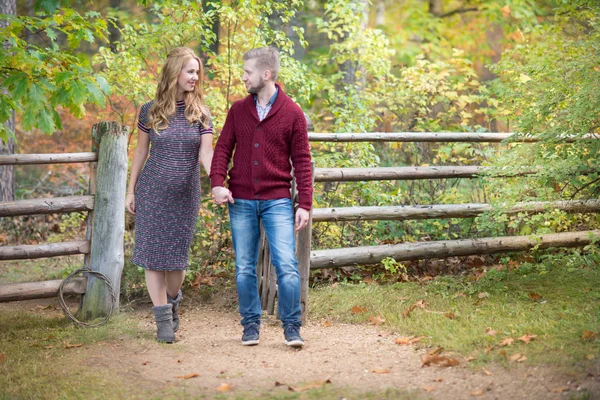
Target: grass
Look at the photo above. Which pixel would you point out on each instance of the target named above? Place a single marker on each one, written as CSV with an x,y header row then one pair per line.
x,y
507,303
36,363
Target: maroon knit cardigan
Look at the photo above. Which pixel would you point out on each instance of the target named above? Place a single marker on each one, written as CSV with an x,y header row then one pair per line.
x,y
263,150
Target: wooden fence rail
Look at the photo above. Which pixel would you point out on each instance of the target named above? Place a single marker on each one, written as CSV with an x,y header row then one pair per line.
x,y
445,210
59,158
47,206
335,258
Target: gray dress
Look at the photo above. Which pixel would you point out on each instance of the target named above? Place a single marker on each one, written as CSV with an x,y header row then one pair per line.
x,y
167,193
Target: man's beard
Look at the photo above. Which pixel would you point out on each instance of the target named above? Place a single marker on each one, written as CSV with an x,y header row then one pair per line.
x,y
257,88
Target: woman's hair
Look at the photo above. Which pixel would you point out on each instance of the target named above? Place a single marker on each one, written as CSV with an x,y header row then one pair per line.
x,y
164,104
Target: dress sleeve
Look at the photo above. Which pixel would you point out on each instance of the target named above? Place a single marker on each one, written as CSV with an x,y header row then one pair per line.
x,y
209,128
143,118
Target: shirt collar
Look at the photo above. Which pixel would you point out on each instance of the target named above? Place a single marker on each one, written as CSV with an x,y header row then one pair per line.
x,y
271,100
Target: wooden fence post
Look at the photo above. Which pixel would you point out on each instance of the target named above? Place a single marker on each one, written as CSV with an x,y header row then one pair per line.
x,y
108,226
303,256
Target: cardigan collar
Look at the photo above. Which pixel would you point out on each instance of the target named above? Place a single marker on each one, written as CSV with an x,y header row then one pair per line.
x,y
274,108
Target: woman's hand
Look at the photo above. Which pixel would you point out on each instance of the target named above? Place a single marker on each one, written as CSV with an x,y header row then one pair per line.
x,y
130,202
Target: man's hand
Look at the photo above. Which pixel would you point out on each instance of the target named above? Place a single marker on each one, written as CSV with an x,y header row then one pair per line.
x,y
222,195
301,218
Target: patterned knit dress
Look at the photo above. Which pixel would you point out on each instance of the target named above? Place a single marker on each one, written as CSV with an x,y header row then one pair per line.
x,y
167,193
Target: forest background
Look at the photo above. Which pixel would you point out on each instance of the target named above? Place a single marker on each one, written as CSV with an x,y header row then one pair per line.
x,y
526,66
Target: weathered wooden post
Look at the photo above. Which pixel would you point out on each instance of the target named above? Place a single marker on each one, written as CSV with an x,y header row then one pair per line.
x,y
108,226
303,256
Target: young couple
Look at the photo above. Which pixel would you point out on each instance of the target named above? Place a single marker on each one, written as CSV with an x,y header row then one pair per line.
x,y
262,132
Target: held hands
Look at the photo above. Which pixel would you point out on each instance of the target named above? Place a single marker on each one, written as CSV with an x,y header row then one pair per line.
x,y
130,203
222,195
301,218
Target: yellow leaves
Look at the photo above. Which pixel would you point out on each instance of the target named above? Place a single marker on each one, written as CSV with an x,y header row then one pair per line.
x,y
524,78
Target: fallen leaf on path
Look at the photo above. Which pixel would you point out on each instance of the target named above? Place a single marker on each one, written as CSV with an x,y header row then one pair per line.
x,y
476,393
428,388
405,341
146,363
488,349
561,389
358,310
437,359
503,354
439,380
588,335
469,359
327,324
483,295
437,350
368,281
48,347
381,371
534,296
485,371
72,345
376,320
460,294
420,304
224,387
507,341
313,385
450,315
517,357
188,376
2,357
527,338
489,331
590,356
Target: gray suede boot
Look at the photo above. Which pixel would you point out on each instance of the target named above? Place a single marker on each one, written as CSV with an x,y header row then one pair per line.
x,y
163,315
175,302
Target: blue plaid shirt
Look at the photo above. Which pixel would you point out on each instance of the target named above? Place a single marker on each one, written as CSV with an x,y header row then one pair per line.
x,y
263,111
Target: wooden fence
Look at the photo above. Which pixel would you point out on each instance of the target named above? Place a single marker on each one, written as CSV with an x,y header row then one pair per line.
x,y
333,258
105,205
103,247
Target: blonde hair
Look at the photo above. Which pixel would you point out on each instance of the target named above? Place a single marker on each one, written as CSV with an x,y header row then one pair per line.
x,y
267,58
164,104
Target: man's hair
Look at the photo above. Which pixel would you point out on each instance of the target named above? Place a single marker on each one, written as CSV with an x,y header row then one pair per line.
x,y
267,58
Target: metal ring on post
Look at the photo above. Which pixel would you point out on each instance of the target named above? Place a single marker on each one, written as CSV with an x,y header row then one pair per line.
x,y
100,276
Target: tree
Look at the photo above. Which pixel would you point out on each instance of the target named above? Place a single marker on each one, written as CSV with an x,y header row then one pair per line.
x,y
39,76
7,144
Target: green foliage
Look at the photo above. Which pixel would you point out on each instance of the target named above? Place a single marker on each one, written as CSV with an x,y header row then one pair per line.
x,y
554,102
44,74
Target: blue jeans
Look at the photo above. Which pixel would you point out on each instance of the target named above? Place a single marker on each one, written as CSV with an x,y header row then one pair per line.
x,y
278,220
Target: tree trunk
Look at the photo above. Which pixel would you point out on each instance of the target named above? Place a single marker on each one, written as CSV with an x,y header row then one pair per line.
x,y
436,7
380,16
7,174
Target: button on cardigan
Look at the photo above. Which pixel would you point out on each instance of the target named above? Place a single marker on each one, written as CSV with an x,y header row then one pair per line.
x,y
262,151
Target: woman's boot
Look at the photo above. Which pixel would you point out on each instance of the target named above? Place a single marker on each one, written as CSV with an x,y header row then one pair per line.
x,y
175,302
163,315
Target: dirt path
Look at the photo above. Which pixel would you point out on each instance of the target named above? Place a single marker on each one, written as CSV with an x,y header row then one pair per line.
x,y
363,358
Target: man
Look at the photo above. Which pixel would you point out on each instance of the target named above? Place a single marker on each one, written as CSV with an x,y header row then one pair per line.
x,y
266,129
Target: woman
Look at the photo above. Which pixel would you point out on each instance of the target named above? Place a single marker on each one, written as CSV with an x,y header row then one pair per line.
x,y
164,188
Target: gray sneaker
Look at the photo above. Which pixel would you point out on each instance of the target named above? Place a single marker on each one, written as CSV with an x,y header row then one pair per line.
x,y
251,334
292,336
